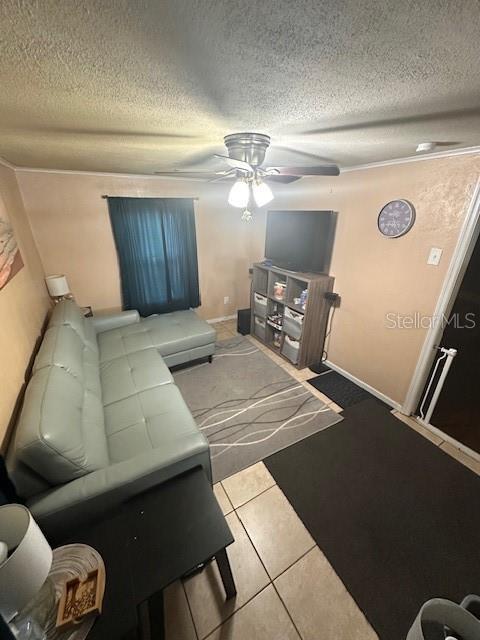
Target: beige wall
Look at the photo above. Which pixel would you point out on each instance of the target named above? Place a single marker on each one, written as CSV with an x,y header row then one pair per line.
x,y
374,275
72,228
23,303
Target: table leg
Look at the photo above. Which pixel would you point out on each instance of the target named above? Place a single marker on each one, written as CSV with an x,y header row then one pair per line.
x,y
151,621
144,629
223,564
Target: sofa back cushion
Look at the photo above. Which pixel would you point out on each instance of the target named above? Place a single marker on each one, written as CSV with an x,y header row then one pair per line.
x,y
61,432
63,347
68,313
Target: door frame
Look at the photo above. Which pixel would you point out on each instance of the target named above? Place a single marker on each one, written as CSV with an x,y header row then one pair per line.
x,y
467,239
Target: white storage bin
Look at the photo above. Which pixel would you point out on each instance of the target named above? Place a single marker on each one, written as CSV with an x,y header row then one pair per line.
x,y
260,328
292,323
260,305
291,349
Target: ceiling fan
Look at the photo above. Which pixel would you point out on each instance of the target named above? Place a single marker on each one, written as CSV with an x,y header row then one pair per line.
x,y
246,154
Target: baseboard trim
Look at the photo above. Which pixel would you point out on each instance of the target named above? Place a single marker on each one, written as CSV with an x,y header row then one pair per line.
x,y
378,394
221,319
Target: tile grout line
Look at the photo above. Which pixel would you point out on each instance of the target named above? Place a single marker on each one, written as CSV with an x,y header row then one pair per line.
x,y
253,544
250,499
288,612
272,580
250,539
299,558
234,612
190,610
227,496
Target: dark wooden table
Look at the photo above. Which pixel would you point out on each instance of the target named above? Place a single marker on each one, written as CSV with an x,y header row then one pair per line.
x,y
148,543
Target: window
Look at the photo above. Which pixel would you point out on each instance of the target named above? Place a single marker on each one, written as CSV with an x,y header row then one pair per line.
x,y
157,253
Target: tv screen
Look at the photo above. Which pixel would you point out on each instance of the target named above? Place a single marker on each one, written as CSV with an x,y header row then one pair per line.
x,y
300,240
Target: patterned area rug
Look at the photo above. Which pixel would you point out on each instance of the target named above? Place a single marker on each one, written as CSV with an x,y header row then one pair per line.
x,y
248,407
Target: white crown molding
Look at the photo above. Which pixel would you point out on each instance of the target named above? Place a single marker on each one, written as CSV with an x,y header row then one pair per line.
x,y
7,164
417,158
359,167
102,174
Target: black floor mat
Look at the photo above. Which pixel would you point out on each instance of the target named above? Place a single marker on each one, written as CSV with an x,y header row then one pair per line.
x,y
321,367
342,391
398,519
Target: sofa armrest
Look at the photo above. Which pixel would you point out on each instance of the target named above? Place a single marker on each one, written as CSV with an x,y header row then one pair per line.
x,y
85,498
115,320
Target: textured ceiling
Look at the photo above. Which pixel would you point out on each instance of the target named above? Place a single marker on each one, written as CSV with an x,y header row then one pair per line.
x,y
144,85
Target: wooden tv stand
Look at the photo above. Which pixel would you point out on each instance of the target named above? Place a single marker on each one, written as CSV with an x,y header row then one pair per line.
x,y
315,315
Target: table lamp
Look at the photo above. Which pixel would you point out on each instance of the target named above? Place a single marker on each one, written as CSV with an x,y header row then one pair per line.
x,y
25,560
58,288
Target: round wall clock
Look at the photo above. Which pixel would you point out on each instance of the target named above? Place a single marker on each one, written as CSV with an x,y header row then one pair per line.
x,y
396,218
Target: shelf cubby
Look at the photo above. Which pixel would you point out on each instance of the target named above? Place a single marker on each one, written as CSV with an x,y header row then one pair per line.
x,y
260,281
275,277
270,331
294,291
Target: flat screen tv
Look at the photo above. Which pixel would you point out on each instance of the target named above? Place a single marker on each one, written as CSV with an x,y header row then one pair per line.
x,y
300,240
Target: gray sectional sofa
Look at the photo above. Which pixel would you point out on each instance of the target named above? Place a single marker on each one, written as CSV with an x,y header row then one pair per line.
x,y
102,418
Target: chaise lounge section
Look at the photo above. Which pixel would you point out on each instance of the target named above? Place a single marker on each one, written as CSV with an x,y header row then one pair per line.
x,y
102,418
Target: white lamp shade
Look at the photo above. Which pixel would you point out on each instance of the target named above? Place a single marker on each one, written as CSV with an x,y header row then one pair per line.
x,y
262,194
57,286
239,194
23,573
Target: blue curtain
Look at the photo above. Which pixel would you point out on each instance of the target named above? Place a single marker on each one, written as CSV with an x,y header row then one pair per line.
x,y
157,253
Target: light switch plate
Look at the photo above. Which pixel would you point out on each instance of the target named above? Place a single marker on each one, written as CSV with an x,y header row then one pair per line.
x,y
434,256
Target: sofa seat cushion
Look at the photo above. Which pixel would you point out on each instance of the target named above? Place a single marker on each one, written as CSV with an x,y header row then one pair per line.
x,y
61,430
88,497
153,419
131,374
169,333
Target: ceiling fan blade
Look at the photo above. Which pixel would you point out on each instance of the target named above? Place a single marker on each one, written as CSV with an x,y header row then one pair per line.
x,y
319,170
195,160
282,179
231,174
188,175
303,154
236,164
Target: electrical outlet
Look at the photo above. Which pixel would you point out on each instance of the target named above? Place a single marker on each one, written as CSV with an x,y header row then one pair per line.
x,y
226,299
434,256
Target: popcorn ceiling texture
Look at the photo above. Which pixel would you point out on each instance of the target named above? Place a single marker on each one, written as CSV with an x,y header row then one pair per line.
x,y
146,85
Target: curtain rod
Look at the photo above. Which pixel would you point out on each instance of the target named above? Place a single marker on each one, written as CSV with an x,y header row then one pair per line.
x,y
168,198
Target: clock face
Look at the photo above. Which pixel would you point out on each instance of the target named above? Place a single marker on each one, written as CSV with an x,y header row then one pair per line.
x,y
396,218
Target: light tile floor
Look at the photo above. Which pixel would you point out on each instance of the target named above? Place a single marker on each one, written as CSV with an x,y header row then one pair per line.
x,y
278,570
286,587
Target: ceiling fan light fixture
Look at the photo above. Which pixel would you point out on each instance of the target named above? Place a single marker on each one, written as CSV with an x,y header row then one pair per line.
x,y
262,194
239,194
426,147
